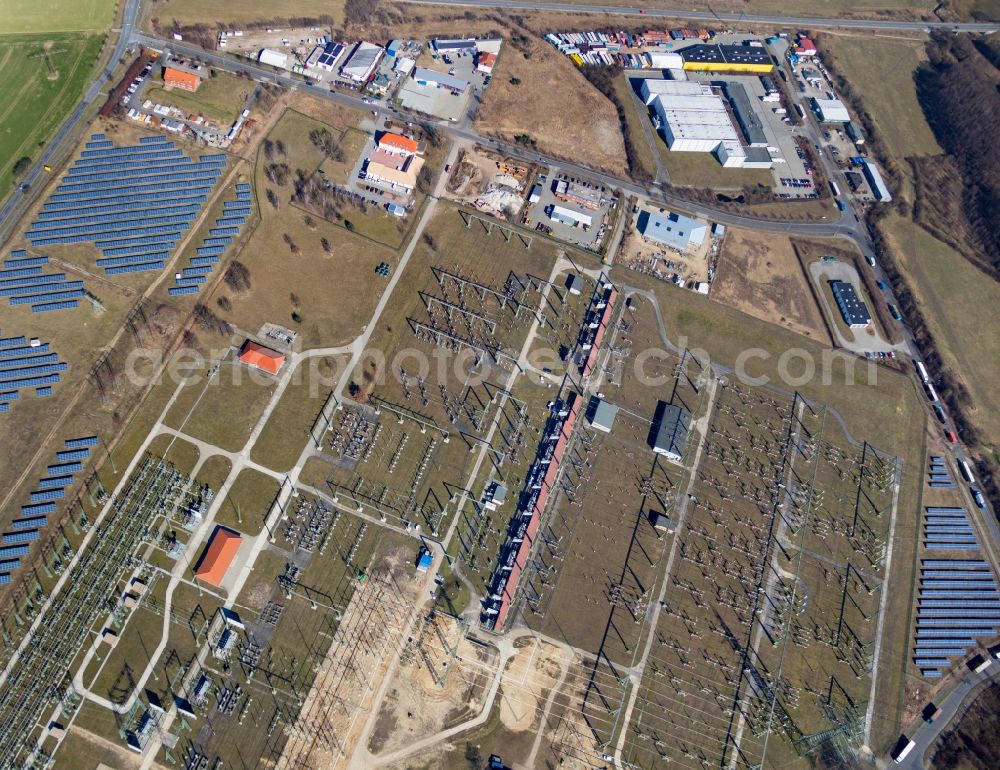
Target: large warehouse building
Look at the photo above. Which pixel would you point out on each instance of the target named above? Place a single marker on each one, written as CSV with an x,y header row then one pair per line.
x,y
672,230
693,118
728,58
362,62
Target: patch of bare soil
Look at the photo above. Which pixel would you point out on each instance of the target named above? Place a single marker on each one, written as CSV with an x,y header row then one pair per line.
x,y
433,689
545,97
759,274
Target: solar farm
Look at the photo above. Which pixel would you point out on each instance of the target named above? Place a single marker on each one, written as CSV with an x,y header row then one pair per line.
x,y
220,238
133,203
23,281
27,367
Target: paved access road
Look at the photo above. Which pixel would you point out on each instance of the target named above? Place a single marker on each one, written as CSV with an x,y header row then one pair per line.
x,y
924,735
693,15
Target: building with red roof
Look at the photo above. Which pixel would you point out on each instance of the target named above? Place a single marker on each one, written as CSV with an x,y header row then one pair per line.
x,y
260,357
218,556
397,143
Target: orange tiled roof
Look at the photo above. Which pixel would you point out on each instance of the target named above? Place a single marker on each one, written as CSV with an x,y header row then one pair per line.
x,y
261,357
218,555
180,78
398,142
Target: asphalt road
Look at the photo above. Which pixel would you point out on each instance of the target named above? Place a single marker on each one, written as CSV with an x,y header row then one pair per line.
x,y
793,21
924,735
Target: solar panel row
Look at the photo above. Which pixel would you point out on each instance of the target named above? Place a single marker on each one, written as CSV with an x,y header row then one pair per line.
x,y
141,267
25,262
82,441
177,291
48,307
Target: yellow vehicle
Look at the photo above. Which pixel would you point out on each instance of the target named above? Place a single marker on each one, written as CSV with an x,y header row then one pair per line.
x,y
47,168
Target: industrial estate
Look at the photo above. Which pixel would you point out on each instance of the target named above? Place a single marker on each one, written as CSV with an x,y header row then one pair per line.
x,y
456,386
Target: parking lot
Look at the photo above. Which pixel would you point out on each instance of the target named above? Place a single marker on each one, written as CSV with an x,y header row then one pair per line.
x,y
537,216
812,82
438,100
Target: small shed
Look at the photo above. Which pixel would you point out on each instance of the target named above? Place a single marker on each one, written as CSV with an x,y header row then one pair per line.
x,y
425,560
602,414
574,284
662,522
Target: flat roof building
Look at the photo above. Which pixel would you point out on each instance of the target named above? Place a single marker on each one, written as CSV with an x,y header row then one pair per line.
x,y
854,133
568,216
671,435
362,62
325,57
665,60
746,116
831,111
428,77
662,522
574,192
650,88
218,556
699,123
443,45
851,306
274,58
727,58
260,357
875,181
672,230
602,414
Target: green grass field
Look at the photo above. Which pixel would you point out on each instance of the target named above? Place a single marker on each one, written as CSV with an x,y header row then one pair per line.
x,y
221,97
31,105
701,169
960,307
882,72
55,16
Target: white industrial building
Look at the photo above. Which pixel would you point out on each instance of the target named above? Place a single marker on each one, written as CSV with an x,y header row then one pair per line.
x,y
831,111
568,216
700,124
274,58
875,181
660,60
651,88
362,62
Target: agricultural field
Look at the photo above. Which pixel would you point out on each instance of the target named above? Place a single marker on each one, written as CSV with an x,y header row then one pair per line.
x,y
55,16
235,12
45,75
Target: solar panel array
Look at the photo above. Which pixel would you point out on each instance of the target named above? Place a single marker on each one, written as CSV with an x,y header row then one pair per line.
x,y
27,528
227,226
133,203
23,281
958,604
938,475
25,365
